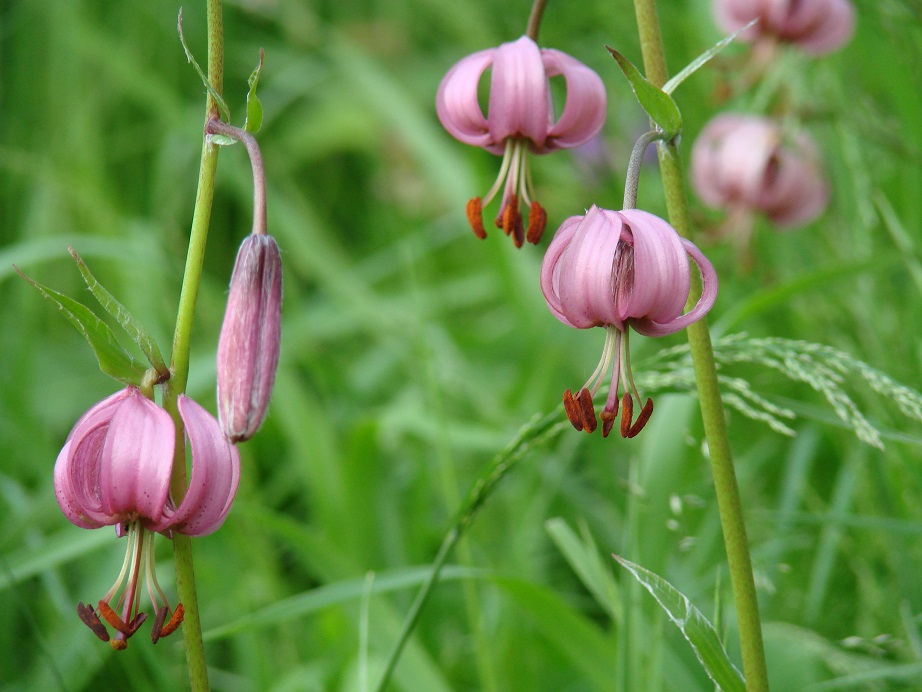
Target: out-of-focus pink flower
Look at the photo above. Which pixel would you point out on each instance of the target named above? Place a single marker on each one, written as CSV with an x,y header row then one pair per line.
x,y
115,469
248,349
520,116
817,26
743,161
621,270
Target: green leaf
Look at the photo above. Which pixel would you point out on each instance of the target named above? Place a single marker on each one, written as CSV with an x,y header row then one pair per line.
x,y
698,62
254,108
129,323
656,102
115,361
694,626
222,104
585,559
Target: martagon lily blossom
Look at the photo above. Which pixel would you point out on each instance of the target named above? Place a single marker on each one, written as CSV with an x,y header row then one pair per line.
x,y
520,117
817,26
115,469
747,162
621,270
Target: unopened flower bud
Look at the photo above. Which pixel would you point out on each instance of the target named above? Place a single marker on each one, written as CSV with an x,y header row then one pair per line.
x,y
248,349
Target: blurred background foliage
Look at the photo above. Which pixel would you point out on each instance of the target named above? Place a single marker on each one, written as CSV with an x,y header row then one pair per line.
x,y
413,352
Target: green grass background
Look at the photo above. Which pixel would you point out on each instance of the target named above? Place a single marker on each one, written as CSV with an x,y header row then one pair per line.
x,y
412,353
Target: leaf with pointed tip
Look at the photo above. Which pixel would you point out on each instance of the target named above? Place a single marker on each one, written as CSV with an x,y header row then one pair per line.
x,y
114,361
656,102
129,323
698,62
254,108
694,626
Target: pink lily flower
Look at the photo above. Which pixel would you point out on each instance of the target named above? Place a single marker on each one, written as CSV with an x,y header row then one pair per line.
x,y
742,162
520,116
115,469
817,26
621,270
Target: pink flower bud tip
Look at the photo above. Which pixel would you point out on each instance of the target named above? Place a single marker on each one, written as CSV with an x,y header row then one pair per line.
x,y
520,117
248,349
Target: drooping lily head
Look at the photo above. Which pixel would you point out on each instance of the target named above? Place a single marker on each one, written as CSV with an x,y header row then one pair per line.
x,y
520,117
746,162
816,26
115,469
621,270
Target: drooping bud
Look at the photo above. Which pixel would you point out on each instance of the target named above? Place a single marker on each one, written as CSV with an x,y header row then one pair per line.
x,y
248,349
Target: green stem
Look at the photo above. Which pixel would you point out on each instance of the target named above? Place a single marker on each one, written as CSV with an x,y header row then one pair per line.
x,y
179,366
712,410
632,177
534,19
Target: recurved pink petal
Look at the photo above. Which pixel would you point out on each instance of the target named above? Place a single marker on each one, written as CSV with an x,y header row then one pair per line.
x,y
137,459
519,93
76,471
581,277
456,100
835,31
215,475
797,192
550,267
649,327
658,281
584,109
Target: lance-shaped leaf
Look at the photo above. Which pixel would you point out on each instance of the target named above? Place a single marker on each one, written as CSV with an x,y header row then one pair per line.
x,y
114,361
254,108
129,323
694,626
656,102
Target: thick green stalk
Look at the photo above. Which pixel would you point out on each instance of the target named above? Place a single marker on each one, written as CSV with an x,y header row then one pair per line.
x,y
179,366
712,410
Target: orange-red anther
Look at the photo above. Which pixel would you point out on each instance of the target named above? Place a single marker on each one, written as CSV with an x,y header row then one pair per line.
x,y
587,409
175,621
537,220
91,620
475,217
627,413
572,408
642,419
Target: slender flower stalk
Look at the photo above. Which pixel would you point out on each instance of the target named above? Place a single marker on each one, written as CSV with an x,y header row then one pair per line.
x,y
179,366
712,410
